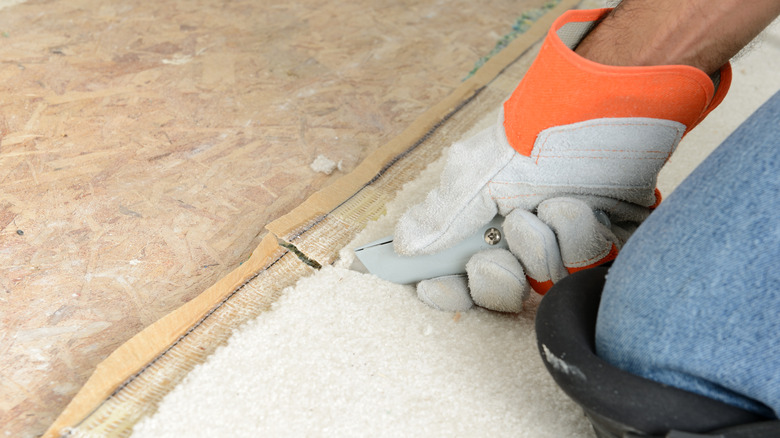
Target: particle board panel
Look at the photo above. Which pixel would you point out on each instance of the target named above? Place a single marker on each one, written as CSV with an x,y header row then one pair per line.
x,y
132,381
144,146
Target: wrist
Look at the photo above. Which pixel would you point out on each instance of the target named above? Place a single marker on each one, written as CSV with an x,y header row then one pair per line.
x,y
562,88
697,33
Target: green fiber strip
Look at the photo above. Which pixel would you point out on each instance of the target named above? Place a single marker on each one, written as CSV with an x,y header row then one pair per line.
x,y
521,25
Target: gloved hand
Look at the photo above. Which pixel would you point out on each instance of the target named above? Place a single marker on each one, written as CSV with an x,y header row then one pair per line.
x,y
576,141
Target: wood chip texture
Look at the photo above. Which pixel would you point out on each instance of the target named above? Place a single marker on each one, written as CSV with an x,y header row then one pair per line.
x,y
145,145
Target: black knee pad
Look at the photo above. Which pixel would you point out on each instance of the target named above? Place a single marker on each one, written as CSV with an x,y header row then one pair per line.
x,y
617,403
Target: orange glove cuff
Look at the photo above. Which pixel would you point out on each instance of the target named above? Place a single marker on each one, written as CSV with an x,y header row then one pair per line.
x,y
562,88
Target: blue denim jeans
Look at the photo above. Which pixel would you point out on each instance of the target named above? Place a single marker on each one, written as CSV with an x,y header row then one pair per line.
x,y
693,299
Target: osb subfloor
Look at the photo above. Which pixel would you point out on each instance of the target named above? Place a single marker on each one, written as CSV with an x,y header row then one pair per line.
x,y
144,146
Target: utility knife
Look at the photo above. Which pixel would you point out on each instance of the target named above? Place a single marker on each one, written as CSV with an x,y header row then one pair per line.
x,y
379,258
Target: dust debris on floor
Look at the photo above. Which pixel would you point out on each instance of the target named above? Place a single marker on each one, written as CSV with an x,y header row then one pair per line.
x,y
325,165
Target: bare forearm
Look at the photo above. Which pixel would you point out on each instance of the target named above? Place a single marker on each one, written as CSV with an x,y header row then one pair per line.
x,y
701,33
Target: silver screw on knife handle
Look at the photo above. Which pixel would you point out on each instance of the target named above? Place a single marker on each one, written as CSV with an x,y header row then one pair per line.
x,y
492,236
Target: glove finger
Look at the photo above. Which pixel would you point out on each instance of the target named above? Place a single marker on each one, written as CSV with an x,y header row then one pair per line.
x,y
449,294
535,245
583,241
623,231
618,211
496,281
461,203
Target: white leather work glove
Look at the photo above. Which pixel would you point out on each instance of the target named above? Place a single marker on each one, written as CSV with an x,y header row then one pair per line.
x,y
576,140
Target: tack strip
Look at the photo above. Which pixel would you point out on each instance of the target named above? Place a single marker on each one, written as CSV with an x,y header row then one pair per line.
x,y
131,382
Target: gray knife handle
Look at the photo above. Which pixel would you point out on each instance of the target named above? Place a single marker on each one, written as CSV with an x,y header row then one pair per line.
x,y
379,258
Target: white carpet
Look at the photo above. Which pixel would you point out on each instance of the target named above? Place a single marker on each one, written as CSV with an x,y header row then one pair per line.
x,y
345,354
